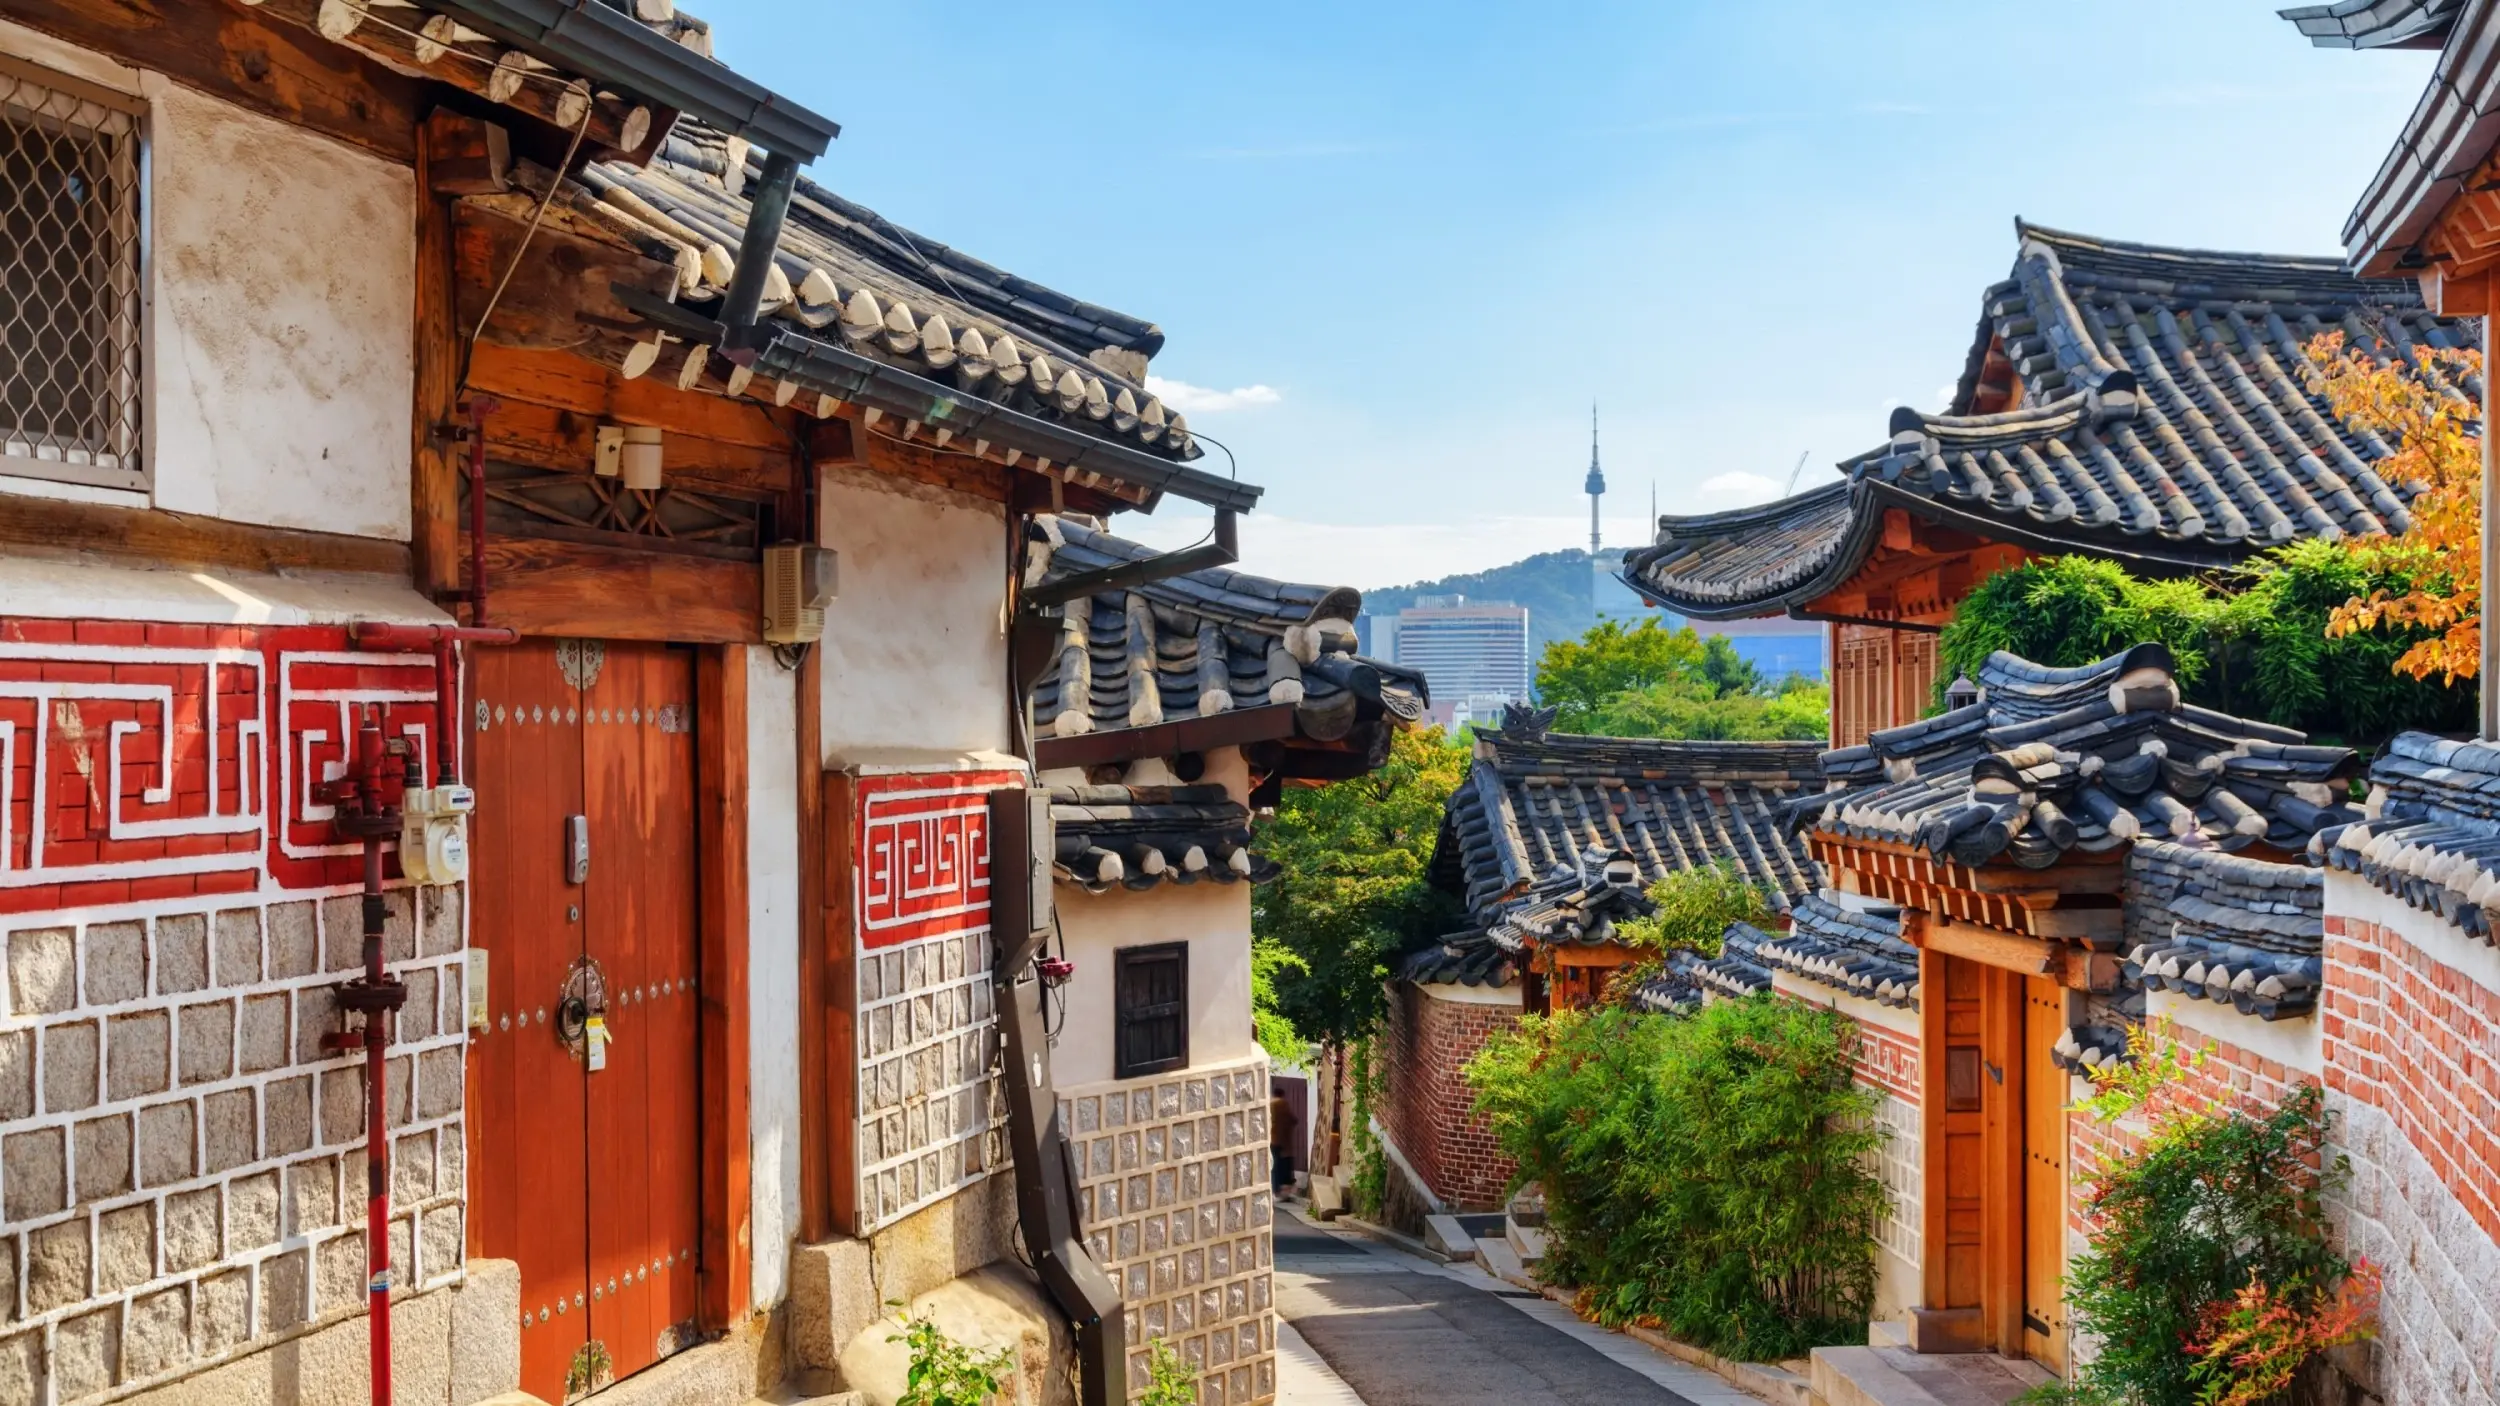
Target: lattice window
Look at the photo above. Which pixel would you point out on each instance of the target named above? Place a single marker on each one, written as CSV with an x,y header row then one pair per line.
x,y
1150,1002
70,175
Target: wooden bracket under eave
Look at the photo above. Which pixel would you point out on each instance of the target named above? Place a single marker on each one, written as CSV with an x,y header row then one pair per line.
x,y
2450,294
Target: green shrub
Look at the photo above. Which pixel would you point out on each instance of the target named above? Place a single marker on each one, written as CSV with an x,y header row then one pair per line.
x,y
2251,642
2208,1262
1169,1382
1707,1174
944,1372
1694,906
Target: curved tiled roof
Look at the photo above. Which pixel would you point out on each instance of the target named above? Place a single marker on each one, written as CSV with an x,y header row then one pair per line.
x,y
2241,932
1462,959
1204,643
2081,758
2432,838
1142,836
2376,24
1535,801
847,275
1859,951
2165,421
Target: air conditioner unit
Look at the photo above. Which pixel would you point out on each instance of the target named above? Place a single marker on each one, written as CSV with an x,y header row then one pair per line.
x,y
799,582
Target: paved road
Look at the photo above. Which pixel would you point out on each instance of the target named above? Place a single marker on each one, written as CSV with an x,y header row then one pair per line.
x,y
1403,1332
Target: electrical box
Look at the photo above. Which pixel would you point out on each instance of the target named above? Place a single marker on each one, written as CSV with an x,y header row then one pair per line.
x,y
1038,857
799,582
434,834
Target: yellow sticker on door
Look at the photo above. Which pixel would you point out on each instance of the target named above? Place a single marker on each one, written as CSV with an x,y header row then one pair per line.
x,y
595,1040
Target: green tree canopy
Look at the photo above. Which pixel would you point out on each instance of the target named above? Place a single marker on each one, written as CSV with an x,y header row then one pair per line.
x,y
1353,894
1650,681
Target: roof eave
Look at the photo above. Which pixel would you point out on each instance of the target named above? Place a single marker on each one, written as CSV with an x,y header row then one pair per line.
x,y
2451,132
1845,559
610,46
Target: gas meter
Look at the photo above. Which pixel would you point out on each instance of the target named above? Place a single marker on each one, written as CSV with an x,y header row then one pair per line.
x,y
434,834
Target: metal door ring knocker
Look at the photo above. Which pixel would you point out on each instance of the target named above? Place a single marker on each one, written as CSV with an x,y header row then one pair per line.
x,y
582,1007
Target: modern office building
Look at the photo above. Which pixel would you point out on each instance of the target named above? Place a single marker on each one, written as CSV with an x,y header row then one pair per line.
x,y
1465,649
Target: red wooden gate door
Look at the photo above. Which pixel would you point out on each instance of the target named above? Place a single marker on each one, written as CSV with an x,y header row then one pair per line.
x,y
586,1137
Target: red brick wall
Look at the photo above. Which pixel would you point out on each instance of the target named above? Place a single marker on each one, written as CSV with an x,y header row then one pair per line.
x,y
2416,1038
1424,1047
2226,1075
1888,1060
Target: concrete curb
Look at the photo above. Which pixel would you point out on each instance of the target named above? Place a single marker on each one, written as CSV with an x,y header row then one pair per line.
x,y
1386,1236
1767,1380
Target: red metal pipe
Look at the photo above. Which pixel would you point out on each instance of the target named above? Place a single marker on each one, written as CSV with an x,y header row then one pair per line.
x,y
377,1127
441,640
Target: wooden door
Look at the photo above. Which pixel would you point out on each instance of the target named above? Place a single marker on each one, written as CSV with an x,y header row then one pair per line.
x,y
2044,1175
1963,1187
587,1178
645,1201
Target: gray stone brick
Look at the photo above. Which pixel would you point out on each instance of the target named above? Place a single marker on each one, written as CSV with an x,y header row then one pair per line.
x,y
181,953
262,1043
438,1082
43,971
191,1236
117,962
339,1272
229,1130
137,1050
86,1353
451,1160
342,1105
17,1074
442,921
238,947
21,1366
399,1089
312,1195
284,1282
221,1310
8,1283
125,1249
157,1335
34,1167
71,1054
58,1258
289,1115
251,1212
316,1014
399,927
412,1168
168,1142
416,1019
206,1041
294,941
403,1246
103,1153
343,933
443,1243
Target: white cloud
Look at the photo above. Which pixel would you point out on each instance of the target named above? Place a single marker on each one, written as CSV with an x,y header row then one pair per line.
x,y
1200,400
1944,396
1740,489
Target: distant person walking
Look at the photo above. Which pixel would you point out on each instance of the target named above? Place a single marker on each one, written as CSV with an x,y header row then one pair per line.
x,y
1280,1141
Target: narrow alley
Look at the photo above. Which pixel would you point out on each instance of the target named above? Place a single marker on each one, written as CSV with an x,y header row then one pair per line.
x,y
1400,1330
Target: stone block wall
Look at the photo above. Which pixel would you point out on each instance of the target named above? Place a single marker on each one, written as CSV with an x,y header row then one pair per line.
x,y
1426,1106
181,1164
1173,1191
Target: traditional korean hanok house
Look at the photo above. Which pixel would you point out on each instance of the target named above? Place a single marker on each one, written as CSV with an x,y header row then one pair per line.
x,y
2071,853
1172,711
1550,840
2143,404
513,313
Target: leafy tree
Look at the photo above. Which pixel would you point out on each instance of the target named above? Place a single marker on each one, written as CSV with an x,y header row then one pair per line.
x,y
1691,908
1578,678
1707,1174
1353,893
2074,610
1688,709
1725,670
2439,447
1269,1024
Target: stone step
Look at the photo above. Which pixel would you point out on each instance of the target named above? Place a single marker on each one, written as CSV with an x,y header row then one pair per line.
x,y
1894,1376
1526,1241
1502,1262
1446,1235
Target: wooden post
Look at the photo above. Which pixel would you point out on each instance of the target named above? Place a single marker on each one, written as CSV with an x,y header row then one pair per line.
x,y
434,462
721,834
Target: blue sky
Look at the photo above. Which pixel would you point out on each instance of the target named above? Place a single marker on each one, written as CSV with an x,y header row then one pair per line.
x,y
1398,248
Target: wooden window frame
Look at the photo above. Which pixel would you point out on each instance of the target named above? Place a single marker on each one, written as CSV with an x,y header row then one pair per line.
x,y
1122,960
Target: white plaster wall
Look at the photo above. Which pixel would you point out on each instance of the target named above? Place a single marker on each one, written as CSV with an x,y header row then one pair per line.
x,y
772,969
279,354
1214,919
2298,1045
915,649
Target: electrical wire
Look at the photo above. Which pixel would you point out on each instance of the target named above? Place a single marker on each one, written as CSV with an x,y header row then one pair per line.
x,y
555,182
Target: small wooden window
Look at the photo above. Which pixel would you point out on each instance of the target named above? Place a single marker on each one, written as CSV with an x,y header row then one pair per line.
x,y
1150,1004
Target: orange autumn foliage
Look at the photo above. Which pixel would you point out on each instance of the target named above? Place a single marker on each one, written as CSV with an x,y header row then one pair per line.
x,y
2418,408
